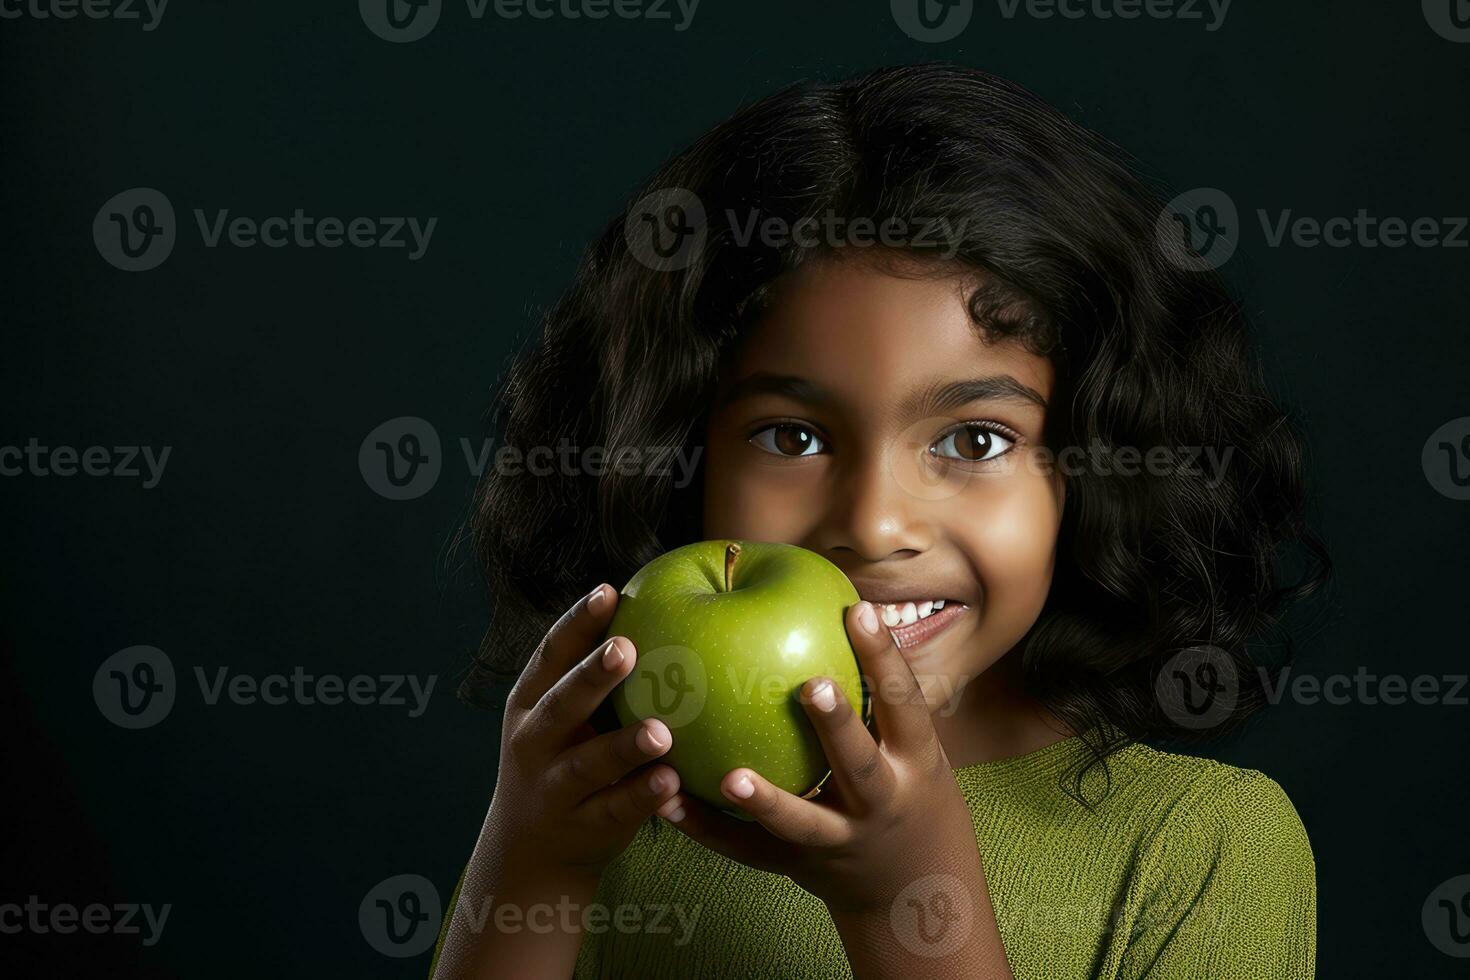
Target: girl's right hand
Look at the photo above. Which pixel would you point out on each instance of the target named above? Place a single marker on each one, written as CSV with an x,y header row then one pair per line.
x,y
568,800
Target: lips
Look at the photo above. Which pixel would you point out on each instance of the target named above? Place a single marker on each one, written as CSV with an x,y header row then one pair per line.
x,y
912,635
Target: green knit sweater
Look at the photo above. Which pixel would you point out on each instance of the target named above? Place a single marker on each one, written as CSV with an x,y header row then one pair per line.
x,y
1188,868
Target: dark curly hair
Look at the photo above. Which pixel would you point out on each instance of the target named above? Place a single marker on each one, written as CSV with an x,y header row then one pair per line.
x,y
1150,350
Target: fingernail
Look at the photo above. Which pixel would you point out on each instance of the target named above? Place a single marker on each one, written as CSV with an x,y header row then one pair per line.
x,y
612,656
824,697
597,598
675,815
649,740
868,617
658,782
742,788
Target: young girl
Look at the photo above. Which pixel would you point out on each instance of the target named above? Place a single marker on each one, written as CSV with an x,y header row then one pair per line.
x,y
925,326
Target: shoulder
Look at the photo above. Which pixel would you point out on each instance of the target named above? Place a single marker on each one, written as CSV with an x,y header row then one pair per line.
x,y
1218,800
1224,882
1234,828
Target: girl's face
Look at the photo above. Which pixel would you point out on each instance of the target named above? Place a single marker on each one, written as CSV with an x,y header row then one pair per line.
x,y
865,419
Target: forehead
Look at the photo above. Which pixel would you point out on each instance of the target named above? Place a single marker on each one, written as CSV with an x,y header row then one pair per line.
x,y
873,335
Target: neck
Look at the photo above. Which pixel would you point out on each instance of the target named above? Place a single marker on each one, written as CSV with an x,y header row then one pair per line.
x,y
993,718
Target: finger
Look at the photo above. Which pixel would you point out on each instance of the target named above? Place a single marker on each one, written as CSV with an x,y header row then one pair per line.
x,y
861,772
573,635
570,702
787,816
632,799
899,707
597,763
737,840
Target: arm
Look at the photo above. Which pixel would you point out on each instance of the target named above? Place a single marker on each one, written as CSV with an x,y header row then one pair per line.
x,y
566,802
941,926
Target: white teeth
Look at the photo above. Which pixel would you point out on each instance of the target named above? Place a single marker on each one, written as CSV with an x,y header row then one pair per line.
x,y
908,613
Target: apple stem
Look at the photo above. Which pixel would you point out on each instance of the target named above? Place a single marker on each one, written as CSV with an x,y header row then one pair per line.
x,y
732,551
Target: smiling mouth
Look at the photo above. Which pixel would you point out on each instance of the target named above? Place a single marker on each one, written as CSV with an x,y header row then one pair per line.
x,y
906,613
915,623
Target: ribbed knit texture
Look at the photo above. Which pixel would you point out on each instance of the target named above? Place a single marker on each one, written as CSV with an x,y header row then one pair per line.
x,y
1188,868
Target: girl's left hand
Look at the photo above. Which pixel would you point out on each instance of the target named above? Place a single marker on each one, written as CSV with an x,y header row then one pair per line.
x,y
891,812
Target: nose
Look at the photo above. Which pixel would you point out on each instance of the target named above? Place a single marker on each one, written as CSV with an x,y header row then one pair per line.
x,y
872,517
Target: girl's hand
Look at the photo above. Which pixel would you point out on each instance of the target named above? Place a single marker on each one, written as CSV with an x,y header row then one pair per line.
x,y
889,805
567,800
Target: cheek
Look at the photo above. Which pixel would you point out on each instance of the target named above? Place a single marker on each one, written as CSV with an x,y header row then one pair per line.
x,y
1012,537
744,498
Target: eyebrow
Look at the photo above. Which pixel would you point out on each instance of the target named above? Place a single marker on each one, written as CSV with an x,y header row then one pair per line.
x,y
937,398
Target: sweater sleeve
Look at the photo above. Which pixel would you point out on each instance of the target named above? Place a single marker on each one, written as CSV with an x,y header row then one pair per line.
x,y
444,924
1225,890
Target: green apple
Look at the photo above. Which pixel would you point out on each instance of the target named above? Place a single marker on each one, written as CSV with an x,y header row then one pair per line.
x,y
726,633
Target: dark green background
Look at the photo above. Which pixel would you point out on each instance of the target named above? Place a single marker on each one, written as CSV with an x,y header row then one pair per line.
x,y
263,548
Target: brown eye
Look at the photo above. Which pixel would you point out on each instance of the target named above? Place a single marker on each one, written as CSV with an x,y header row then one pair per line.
x,y
787,439
972,444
